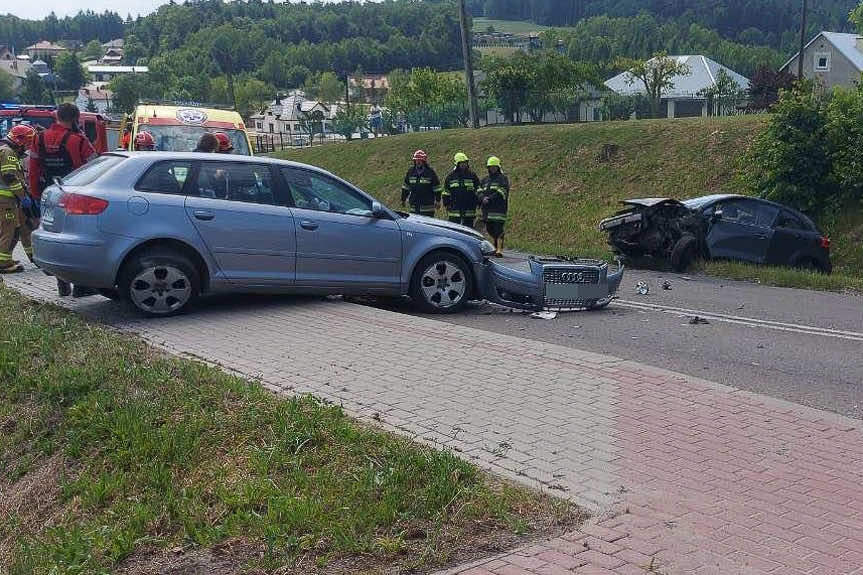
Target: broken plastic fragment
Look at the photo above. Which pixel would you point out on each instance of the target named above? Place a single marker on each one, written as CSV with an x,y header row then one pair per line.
x,y
696,320
641,288
544,315
666,285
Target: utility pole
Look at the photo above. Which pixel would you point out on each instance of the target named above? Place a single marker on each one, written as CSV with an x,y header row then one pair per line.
x,y
467,50
802,42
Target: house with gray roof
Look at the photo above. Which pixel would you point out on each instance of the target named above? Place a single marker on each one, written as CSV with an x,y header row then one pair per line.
x,y
687,95
831,59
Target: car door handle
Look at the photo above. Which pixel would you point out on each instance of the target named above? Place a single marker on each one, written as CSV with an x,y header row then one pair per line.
x,y
308,225
203,215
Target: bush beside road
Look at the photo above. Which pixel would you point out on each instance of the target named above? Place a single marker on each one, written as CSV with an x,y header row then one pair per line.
x,y
562,186
113,455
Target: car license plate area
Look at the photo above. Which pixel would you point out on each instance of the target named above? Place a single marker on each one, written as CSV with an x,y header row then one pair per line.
x,y
573,291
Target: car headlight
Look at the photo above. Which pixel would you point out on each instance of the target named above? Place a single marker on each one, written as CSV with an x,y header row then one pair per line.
x,y
486,248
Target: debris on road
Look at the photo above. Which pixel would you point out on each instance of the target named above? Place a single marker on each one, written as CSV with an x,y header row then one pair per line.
x,y
641,288
698,320
666,285
544,315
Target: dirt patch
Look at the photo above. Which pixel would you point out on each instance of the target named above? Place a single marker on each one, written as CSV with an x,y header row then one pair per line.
x,y
31,504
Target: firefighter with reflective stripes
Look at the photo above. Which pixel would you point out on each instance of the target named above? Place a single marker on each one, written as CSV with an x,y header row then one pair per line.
x,y
460,190
494,197
14,199
421,186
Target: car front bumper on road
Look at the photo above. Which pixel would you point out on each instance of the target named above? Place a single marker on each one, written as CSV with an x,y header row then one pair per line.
x,y
550,284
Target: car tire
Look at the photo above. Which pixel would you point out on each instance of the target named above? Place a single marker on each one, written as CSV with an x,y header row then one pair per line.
x,y
441,283
160,282
684,253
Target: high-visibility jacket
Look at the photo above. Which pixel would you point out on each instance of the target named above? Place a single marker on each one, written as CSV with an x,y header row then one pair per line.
x,y
496,189
422,188
460,193
11,173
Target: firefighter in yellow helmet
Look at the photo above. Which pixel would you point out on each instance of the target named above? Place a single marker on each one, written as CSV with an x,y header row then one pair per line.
x,y
494,198
460,192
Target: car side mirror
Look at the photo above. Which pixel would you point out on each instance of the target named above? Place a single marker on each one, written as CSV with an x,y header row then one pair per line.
x,y
379,211
717,215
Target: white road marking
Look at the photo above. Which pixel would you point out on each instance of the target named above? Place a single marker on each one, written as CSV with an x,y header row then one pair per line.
x,y
746,321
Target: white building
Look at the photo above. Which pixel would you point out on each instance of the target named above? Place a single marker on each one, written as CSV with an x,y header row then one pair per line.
x,y
286,116
101,73
686,96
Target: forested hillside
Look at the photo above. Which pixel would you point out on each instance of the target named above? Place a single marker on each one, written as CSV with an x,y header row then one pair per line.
x,y
773,23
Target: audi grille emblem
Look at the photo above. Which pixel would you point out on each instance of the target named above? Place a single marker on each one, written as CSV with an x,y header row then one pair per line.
x,y
573,277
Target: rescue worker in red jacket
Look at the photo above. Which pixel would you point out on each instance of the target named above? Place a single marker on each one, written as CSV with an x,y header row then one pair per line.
x,y
16,206
226,146
494,198
460,192
144,142
421,186
55,153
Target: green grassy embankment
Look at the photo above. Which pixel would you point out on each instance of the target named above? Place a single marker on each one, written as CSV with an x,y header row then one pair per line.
x,y
116,458
561,188
508,26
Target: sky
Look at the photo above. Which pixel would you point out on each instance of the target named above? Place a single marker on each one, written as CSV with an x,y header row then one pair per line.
x,y
38,9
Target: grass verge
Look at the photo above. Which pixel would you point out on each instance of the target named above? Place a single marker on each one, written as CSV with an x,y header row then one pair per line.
x,y
116,457
785,277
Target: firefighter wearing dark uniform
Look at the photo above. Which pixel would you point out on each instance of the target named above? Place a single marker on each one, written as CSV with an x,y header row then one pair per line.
x,y
421,186
494,197
460,192
15,204
56,152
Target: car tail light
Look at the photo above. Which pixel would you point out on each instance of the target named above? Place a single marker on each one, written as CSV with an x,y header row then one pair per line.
x,y
825,242
81,205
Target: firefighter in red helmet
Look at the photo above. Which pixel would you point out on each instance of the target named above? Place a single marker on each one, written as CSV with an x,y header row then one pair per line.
x,y
144,142
421,186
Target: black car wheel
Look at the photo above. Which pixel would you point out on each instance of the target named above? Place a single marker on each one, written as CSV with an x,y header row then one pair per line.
x,y
160,282
684,252
441,283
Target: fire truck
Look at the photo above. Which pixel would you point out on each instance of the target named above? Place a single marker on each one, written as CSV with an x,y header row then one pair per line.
x,y
94,126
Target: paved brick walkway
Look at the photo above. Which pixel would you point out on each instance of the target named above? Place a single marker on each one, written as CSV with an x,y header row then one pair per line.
x,y
683,476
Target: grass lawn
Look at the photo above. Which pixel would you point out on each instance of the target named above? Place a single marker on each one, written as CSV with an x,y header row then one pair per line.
x,y
507,26
499,51
561,188
116,458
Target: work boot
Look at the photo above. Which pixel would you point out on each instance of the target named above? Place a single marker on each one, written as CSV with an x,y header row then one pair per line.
x,y
78,291
64,288
15,268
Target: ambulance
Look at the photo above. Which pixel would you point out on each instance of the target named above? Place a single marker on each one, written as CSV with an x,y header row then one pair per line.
x,y
177,128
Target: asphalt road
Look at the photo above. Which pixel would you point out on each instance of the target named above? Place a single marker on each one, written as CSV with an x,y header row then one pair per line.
x,y
798,345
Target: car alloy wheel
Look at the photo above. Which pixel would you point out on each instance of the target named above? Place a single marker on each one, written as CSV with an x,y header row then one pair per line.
x,y
160,289
443,284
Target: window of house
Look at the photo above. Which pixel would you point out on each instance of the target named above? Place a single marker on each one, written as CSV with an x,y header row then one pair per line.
x,y
822,62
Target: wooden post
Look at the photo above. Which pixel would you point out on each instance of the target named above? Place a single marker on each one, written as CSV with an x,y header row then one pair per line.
x,y
467,50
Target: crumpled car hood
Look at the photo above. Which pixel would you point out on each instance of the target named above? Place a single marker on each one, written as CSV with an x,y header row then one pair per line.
x,y
650,202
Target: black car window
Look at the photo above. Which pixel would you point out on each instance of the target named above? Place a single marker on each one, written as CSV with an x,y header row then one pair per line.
x,y
749,213
790,221
312,191
236,182
166,177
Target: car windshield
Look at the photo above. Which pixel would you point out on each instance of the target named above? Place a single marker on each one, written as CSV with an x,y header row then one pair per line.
x,y
185,138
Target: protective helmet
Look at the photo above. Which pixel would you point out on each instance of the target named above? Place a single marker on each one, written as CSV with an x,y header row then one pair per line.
x,y
421,156
225,144
493,161
21,136
145,141
459,158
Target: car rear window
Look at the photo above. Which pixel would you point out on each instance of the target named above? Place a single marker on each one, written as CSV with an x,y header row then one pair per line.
x,y
92,171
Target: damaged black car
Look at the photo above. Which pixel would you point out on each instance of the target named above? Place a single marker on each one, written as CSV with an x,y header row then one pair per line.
x,y
722,226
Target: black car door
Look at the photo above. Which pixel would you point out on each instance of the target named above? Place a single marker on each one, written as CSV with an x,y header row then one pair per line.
x,y
741,230
792,238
